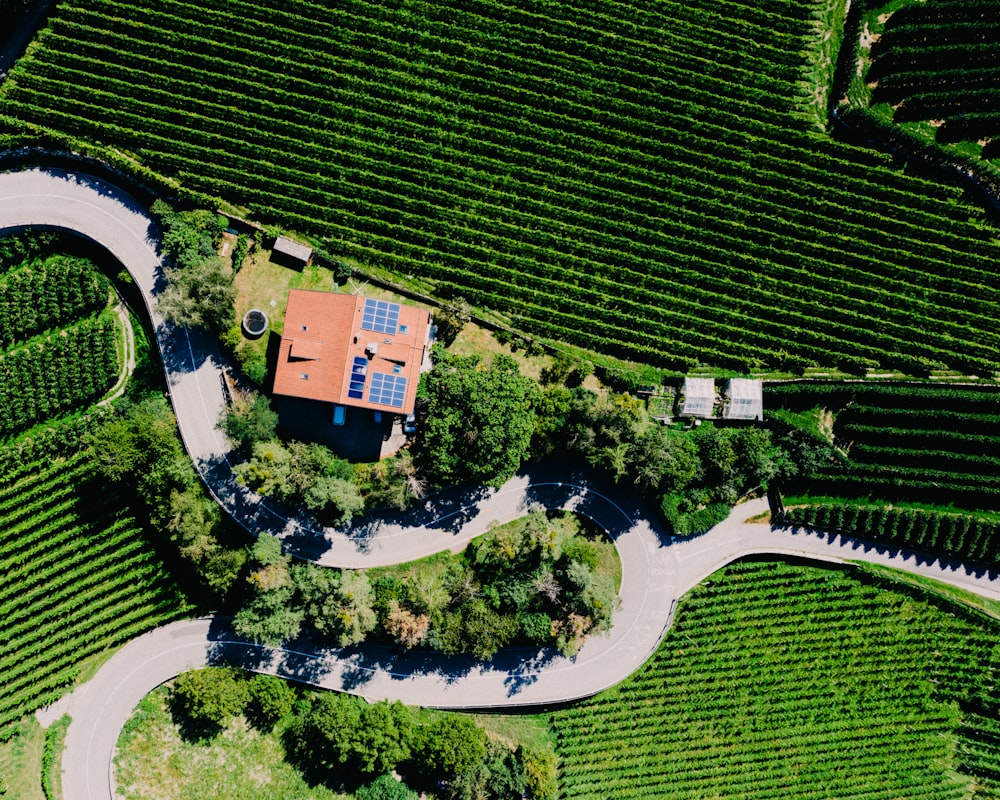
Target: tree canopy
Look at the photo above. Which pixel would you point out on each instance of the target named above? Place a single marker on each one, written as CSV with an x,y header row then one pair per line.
x,y
479,420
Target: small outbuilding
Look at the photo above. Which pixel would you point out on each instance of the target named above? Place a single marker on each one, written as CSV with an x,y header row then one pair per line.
x,y
291,251
699,397
744,399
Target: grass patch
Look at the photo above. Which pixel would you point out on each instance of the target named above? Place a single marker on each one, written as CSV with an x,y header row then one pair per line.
x,y
51,768
155,762
21,761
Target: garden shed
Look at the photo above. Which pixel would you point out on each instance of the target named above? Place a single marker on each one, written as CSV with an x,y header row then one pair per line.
x,y
291,251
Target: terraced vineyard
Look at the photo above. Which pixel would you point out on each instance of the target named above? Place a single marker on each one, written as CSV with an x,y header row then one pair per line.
x,y
920,465
79,577
58,339
640,180
940,60
930,444
787,681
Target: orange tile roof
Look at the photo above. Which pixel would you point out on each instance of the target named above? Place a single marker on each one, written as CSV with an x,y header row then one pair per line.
x,y
324,334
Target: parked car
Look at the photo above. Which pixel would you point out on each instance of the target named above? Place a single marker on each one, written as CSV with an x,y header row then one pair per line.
x,y
410,424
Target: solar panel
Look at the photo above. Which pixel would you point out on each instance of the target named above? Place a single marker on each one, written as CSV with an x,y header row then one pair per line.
x,y
380,316
387,390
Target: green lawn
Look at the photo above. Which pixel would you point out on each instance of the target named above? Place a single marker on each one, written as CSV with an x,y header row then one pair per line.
x,y
155,762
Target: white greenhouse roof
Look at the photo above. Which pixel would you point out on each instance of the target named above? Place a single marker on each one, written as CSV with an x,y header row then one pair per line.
x,y
746,399
699,397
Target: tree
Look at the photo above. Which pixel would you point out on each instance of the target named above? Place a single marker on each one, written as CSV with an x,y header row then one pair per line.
x,y
270,699
338,605
479,419
335,501
201,296
405,627
250,419
343,730
200,290
269,471
209,697
386,787
270,618
449,747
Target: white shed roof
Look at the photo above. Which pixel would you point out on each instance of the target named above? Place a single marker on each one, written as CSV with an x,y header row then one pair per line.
x,y
746,399
699,397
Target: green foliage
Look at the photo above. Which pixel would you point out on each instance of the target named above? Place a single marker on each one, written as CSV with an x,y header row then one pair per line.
x,y
250,419
200,290
386,787
451,746
210,697
479,420
341,730
270,699
303,474
55,737
140,453
865,688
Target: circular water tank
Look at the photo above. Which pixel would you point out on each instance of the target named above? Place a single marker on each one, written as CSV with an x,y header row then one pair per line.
x,y
255,323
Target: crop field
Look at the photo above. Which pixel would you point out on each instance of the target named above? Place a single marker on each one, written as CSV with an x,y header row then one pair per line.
x,y
58,346
788,681
940,60
646,181
924,444
79,577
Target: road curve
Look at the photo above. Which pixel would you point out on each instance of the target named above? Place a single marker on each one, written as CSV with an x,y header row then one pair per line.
x,y
656,570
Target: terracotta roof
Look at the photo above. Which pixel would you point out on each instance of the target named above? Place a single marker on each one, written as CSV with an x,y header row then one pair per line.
x,y
341,348
306,348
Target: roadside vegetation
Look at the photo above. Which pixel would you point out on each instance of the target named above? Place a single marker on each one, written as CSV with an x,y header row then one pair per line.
x,y
665,198
780,680
545,580
265,738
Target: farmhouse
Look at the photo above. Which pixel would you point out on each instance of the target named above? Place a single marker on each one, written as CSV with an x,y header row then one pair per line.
x,y
352,351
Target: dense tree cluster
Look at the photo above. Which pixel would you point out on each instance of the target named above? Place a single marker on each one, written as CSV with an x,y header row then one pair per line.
x,y
347,743
199,290
478,419
531,582
694,476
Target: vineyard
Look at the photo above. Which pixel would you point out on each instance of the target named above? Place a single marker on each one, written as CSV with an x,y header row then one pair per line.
x,y
58,341
925,444
940,60
646,181
79,577
786,681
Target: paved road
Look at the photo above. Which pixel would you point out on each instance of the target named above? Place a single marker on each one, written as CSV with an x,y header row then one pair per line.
x,y
656,570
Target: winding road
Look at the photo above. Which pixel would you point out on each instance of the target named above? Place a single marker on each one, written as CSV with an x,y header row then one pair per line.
x,y
657,571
